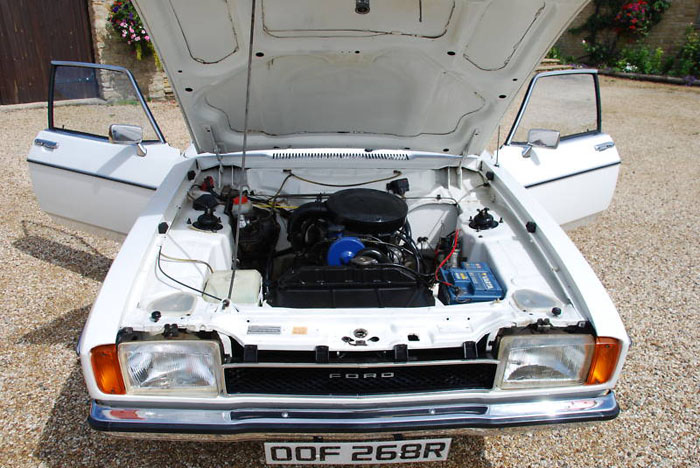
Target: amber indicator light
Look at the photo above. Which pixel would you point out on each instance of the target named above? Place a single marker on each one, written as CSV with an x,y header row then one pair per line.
x,y
605,356
105,365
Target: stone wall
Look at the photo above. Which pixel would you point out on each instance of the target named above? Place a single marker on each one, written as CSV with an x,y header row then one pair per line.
x,y
669,34
110,49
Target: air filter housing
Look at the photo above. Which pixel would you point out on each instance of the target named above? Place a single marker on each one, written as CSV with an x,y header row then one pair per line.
x,y
367,211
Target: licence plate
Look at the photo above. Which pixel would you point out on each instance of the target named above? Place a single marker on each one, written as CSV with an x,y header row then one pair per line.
x,y
356,453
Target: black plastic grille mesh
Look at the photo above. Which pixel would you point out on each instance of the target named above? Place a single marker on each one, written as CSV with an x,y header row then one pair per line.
x,y
354,381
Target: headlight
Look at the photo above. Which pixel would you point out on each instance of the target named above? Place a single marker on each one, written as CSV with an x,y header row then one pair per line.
x,y
530,361
171,367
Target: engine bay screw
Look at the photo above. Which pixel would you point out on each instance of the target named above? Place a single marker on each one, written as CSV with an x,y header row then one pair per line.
x,y
155,316
556,311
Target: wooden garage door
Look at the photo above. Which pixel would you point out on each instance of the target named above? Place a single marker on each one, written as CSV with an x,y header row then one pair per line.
x,y
34,32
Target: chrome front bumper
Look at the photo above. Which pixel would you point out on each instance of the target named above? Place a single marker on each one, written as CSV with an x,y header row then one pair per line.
x,y
295,423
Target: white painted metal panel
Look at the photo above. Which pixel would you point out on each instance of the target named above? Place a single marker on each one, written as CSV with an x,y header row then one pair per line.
x,y
405,75
98,185
573,182
83,201
337,18
578,198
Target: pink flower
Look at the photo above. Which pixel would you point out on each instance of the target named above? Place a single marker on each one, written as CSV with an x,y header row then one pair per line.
x,y
148,38
131,30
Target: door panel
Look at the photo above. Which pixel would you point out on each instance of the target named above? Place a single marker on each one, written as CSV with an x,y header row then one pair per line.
x,y
79,176
576,180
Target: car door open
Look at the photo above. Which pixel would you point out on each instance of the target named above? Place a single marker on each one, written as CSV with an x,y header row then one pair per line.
x,y
102,156
557,148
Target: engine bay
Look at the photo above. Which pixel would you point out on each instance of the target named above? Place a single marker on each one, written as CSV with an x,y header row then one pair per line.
x,y
402,242
426,264
351,248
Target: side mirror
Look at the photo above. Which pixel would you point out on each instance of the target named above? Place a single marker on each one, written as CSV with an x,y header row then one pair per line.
x,y
542,138
122,134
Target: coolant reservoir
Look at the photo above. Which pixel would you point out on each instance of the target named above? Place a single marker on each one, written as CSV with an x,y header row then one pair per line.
x,y
247,286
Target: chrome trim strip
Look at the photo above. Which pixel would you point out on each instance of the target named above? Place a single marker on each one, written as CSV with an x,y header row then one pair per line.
x,y
359,365
604,146
248,423
50,145
605,166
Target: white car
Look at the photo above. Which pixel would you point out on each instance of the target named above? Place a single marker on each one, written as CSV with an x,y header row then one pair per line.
x,y
337,255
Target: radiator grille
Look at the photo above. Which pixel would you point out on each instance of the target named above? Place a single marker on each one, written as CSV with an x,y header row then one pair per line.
x,y
358,381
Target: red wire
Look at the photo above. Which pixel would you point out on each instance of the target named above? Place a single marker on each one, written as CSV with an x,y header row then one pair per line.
x,y
454,246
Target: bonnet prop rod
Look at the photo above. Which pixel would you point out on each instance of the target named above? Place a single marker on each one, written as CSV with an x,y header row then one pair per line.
x,y
244,179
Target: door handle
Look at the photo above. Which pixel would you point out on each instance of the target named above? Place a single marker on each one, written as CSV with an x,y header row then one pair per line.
x,y
604,146
48,144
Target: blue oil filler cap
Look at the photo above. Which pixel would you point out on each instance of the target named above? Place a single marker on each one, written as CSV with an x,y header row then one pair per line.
x,y
343,250
473,282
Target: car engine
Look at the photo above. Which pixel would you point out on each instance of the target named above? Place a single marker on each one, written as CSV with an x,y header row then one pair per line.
x,y
352,249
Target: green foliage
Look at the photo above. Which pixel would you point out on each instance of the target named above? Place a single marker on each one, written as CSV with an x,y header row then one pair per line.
x,y
687,61
599,53
641,59
554,53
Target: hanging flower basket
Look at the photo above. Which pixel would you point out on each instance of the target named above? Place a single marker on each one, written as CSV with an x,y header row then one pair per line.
x,y
637,18
126,23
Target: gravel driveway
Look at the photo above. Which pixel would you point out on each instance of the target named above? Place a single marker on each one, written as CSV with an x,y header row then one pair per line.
x,y
645,249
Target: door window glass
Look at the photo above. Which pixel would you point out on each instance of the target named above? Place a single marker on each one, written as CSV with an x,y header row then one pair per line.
x,y
566,103
89,100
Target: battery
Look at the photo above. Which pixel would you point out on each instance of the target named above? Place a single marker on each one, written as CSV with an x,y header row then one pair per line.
x,y
471,282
